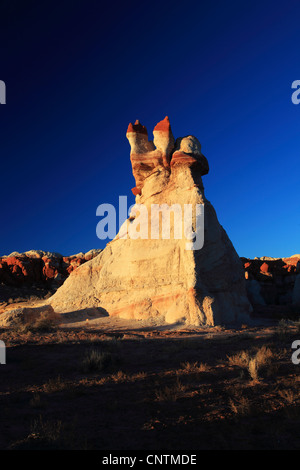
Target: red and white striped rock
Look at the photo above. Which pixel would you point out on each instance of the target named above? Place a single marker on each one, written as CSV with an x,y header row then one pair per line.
x,y
164,140
188,152
146,156
159,278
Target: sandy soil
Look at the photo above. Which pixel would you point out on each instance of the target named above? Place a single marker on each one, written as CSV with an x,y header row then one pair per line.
x,y
112,384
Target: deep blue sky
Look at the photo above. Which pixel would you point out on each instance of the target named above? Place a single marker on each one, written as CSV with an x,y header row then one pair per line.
x,y
77,72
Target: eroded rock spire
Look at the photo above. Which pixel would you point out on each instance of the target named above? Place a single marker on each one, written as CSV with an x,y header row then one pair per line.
x,y
159,278
148,157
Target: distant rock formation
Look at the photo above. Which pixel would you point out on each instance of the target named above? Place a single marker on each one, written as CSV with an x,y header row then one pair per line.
x,y
273,281
40,268
270,282
159,278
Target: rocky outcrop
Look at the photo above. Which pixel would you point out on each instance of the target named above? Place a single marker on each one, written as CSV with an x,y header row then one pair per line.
x,y
273,281
40,268
27,315
270,282
158,277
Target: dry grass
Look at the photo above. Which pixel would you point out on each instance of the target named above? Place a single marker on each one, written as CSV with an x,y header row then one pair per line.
x,y
121,376
47,322
55,385
36,401
291,405
241,406
193,367
289,396
47,430
240,359
253,369
96,360
171,393
264,356
253,363
297,324
192,398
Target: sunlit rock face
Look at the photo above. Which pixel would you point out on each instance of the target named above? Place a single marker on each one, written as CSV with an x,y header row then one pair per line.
x,y
161,278
40,268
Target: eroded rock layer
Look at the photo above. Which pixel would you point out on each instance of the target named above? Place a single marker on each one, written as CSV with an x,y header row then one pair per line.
x,y
158,277
40,268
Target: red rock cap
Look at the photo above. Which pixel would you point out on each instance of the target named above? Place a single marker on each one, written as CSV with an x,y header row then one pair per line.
x,y
137,127
136,191
163,125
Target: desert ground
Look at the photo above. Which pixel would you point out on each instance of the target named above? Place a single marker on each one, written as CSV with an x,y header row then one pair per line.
x,y
107,383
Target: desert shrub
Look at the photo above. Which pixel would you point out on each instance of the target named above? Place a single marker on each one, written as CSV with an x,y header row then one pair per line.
x,y
240,359
51,435
192,367
252,363
264,356
46,322
56,384
289,396
96,360
253,368
171,393
241,406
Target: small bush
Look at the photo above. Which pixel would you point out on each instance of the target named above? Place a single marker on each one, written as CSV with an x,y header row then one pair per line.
x,y
253,364
55,385
96,361
171,393
264,356
253,368
289,396
47,321
241,406
240,359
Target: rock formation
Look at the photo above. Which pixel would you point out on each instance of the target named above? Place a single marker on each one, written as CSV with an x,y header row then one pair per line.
x,y
27,315
37,269
273,281
158,277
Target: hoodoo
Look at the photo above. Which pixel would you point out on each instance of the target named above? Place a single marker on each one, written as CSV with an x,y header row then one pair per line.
x,y
160,277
